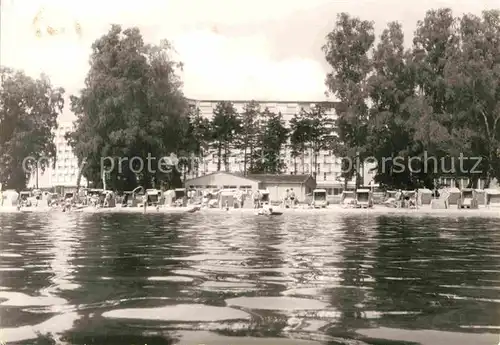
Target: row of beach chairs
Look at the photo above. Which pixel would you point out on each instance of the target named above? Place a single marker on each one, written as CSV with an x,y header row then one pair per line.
x,y
452,197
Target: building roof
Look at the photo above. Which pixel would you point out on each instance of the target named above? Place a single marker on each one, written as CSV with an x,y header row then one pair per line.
x,y
303,101
224,173
265,178
269,178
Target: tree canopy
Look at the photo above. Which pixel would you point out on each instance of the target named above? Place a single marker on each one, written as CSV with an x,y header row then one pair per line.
x,y
437,98
270,144
132,106
28,116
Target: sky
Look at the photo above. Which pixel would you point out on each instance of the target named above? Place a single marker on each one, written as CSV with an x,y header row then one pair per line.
x,y
231,49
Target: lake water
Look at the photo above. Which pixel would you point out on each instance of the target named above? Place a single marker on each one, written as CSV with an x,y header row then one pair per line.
x,y
245,279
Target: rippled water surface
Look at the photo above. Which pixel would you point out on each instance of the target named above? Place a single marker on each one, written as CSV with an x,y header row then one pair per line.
x,y
244,279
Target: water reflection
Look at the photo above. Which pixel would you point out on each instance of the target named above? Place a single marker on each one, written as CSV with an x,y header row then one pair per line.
x,y
323,278
356,284
39,246
64,238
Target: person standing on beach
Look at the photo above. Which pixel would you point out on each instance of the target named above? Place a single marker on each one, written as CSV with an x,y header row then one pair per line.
x,y
402,199
398,197
256,196
239,198
145,202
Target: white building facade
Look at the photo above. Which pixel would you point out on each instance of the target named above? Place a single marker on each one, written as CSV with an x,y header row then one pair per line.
x,y
328,167
65,171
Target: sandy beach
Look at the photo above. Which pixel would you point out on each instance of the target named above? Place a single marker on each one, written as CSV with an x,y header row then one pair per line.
x,y
337,209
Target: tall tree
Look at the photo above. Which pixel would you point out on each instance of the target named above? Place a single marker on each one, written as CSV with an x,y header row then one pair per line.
x,y
473,75
298,139
392,113
272,138
198,137
225,127
319,128
347,51
249,119
28,115
132,106
434,42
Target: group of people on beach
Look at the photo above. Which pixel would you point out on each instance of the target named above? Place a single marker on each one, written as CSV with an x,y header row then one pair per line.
x,y
211,199
403,200
289,199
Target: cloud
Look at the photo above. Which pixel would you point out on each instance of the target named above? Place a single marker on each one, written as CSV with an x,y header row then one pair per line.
x,y
257,50
217,65
242,68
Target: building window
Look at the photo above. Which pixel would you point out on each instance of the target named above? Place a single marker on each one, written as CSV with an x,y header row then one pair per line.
x,y
324,176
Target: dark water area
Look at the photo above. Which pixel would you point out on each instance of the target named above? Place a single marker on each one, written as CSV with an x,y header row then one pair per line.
x,y
244,279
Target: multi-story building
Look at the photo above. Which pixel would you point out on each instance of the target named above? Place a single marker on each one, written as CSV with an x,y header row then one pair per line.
x,y
65,172
328,166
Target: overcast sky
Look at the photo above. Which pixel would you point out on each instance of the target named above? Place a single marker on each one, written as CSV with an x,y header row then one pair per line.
x,y
232,49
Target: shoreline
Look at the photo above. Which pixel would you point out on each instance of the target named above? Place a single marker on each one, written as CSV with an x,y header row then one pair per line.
x,y
377,210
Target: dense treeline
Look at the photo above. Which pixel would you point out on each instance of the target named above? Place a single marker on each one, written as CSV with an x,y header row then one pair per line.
x,y
261,135
132,106
437,96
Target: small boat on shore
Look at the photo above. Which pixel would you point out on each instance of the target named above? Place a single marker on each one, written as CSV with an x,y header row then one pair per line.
x,y
272,213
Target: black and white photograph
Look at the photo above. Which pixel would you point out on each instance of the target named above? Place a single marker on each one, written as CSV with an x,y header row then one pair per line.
x,y
234,172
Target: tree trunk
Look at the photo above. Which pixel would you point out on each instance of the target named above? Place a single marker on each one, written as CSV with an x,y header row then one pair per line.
x,y
146,180
472,181
251,156
303,161
490,172
357,170
315,163
226,154
245,161
79,175
36,175
175,179
219,153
